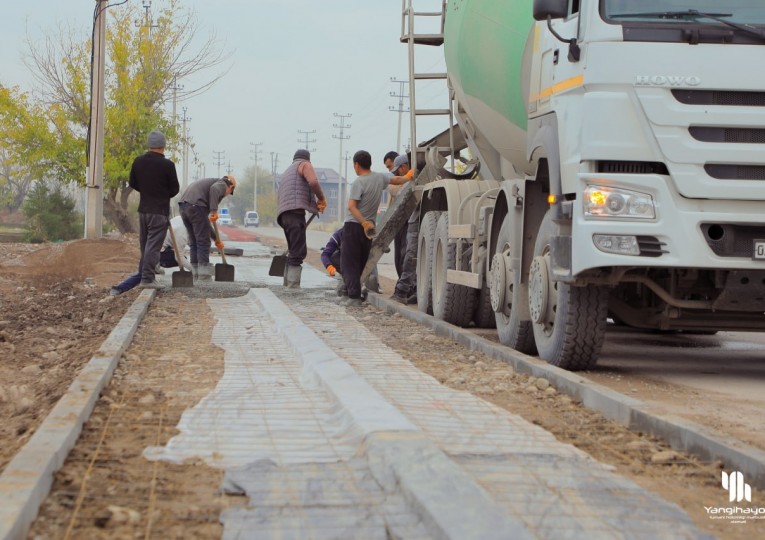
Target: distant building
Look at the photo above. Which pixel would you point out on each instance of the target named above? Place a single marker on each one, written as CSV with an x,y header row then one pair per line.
x,y
332,184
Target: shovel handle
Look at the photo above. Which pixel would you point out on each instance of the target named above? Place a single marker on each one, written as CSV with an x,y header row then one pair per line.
x,y
178,254
310,219
217,237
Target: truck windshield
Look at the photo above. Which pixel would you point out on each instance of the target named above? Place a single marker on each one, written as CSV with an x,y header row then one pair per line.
x,y
746,13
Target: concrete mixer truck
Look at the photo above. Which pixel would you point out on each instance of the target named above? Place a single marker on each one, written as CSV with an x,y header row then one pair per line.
x,y
621,146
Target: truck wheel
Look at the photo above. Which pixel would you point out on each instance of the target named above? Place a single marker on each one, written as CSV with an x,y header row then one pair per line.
x,y
452,303
569,322
425,262
509,297
484,314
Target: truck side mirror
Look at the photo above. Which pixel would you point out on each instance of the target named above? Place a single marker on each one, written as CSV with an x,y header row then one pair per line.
x,y
553,9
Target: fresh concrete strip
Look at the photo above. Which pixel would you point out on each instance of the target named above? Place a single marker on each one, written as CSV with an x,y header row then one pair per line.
x,y
450,502
635,414
27,479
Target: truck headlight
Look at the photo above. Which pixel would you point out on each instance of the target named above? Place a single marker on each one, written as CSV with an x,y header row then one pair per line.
x,y
602,201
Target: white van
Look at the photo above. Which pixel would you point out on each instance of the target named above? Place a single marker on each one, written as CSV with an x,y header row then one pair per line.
x,y
224,218
251,218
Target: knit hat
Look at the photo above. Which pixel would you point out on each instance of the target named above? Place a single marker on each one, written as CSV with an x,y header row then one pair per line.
x,y
400,160
302,154
155,139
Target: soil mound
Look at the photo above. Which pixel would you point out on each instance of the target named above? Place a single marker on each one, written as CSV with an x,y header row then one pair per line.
x,y
105,261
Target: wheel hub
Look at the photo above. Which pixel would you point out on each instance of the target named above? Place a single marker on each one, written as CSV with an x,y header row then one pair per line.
x,y
539,289
497,282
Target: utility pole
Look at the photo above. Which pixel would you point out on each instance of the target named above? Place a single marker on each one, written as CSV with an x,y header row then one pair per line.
x,y
346,158
229,170
185,140
307,141
175,89
401,109
342,127
256,157
274,166
218,157
94,214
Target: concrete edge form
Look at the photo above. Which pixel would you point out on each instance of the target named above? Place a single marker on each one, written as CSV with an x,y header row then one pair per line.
x,y
27,479
683,435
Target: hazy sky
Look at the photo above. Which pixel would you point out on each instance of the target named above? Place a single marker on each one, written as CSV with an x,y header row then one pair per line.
x,y
294,64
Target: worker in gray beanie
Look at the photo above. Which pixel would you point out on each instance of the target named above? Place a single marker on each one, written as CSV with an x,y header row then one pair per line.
x,y
155,178
299,190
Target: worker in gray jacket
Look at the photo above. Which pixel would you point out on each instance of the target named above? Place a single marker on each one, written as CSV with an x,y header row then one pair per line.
x,y
299,191
199,207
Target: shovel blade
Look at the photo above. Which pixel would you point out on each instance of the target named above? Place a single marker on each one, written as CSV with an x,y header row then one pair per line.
x,y
183,279
277,266
224,272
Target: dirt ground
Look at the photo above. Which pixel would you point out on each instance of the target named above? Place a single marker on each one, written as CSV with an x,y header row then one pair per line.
x,y
107,489
54,314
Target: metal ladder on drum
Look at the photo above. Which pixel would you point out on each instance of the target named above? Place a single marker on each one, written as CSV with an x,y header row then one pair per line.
x,y
409,17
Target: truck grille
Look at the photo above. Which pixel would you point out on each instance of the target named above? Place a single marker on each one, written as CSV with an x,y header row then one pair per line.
x,y
732,240
632,167
727,135
650,246
720,97
735,172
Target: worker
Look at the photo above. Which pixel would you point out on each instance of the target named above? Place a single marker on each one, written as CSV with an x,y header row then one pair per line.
x,y
399,241
331,256
299,190
358,229
199,207
406,286
155,178
167,257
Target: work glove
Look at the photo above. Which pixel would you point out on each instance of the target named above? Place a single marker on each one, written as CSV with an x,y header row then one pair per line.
x,y
331,270
213,217
410,174
369,229
322,205
219,244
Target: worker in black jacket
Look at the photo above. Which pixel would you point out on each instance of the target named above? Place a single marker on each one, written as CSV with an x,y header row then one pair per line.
x,y
154,177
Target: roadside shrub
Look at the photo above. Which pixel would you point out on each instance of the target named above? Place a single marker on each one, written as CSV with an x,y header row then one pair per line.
x,y
51,215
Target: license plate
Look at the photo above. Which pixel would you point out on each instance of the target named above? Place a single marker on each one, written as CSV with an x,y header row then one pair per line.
x,y
758,254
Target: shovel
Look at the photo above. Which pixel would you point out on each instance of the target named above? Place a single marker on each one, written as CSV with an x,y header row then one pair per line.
x,y
280,261
181,278
223,272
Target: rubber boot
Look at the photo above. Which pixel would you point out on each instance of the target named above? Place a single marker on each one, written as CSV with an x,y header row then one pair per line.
x,y
292,275
205,272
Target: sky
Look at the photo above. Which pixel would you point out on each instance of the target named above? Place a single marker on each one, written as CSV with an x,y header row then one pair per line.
x,y
294,65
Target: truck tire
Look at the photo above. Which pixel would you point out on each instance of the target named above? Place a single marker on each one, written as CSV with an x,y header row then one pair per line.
x,y
452,303
425,262
569,322
512,330
484,315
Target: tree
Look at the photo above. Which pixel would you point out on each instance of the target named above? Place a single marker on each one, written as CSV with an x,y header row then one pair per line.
x,y
51,214
24,136
145,62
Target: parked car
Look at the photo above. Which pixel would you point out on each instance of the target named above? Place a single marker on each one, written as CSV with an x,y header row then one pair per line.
x,y
251,218
224,218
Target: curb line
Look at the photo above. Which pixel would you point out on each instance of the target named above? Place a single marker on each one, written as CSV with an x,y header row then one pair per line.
x,y
26,481
636,415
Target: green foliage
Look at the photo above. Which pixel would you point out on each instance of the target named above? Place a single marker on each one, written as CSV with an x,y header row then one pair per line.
x,y
51,214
